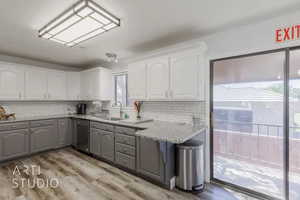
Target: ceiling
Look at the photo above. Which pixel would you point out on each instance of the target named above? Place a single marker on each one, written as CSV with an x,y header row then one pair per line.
x,y
145,25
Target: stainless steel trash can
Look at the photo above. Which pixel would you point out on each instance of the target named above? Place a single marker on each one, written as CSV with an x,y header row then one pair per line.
x,y
190,166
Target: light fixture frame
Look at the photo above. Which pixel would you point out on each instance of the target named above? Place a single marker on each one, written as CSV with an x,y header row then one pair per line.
x,y
86,4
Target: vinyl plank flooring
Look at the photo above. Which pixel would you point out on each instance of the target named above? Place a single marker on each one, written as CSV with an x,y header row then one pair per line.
x,y
83,177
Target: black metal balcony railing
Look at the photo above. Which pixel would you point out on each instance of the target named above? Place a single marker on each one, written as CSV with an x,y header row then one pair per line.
x,y
257,129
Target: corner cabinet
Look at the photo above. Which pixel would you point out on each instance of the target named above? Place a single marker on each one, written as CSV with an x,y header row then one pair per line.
x,y
96,84
178,76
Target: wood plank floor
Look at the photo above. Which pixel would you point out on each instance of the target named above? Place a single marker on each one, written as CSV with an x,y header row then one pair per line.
x,y
83,177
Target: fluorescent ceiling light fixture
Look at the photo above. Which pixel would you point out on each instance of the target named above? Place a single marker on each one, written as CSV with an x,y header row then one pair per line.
x,y
83,21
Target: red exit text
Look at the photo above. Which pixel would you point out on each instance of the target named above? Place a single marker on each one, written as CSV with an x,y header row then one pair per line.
x,y
287,34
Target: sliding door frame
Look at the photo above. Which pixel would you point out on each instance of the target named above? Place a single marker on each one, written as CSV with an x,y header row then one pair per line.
x,y
285,123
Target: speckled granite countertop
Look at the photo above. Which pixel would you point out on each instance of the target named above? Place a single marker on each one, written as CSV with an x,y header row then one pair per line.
x,y
169,131
157,130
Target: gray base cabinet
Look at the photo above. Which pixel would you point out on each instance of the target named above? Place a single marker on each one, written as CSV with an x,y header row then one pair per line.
x,y
156,160
102,142
108,145
14,143
150,159
95,142
64,132
43,135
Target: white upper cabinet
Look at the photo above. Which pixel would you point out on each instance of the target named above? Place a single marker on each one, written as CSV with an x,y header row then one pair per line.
x,y
137,76
158,78
177,76
185,69
96,84
73,86
57,81
11,81
36,83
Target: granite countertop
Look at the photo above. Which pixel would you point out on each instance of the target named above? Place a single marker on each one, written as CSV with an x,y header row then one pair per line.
x,y
169,131
157,130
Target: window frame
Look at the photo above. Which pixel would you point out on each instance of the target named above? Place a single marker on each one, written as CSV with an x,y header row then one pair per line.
x,y
115,76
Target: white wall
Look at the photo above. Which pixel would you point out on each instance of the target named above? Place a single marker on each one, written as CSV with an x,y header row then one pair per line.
x,y
250,38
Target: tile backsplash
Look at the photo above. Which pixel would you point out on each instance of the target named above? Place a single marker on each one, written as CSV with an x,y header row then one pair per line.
x,y
28,109
174,111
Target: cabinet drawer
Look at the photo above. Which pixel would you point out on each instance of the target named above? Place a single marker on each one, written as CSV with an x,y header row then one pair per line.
x,y
106,127
125,130
14,126
125,149
125,161
42,123
125,139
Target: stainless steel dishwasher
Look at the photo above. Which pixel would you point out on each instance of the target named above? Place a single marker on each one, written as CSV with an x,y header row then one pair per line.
x,y
83,135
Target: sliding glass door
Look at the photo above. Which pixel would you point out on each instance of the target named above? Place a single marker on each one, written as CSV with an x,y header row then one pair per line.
x,y
247,133
294,125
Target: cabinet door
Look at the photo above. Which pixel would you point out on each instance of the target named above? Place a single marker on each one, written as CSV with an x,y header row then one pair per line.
x,y
86,85
57,85
11,81
150,159
64,133
73,85
137,81
95,142
108,145
185,76
43,138
35,84
158,78
14,143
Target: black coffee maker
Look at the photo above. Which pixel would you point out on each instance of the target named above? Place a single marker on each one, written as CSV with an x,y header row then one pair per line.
x,y
81,108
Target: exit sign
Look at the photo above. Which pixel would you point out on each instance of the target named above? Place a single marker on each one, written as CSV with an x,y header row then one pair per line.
x,y
287,33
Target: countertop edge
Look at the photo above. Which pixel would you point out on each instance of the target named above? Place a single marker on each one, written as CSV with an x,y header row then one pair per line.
x,y
118,123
